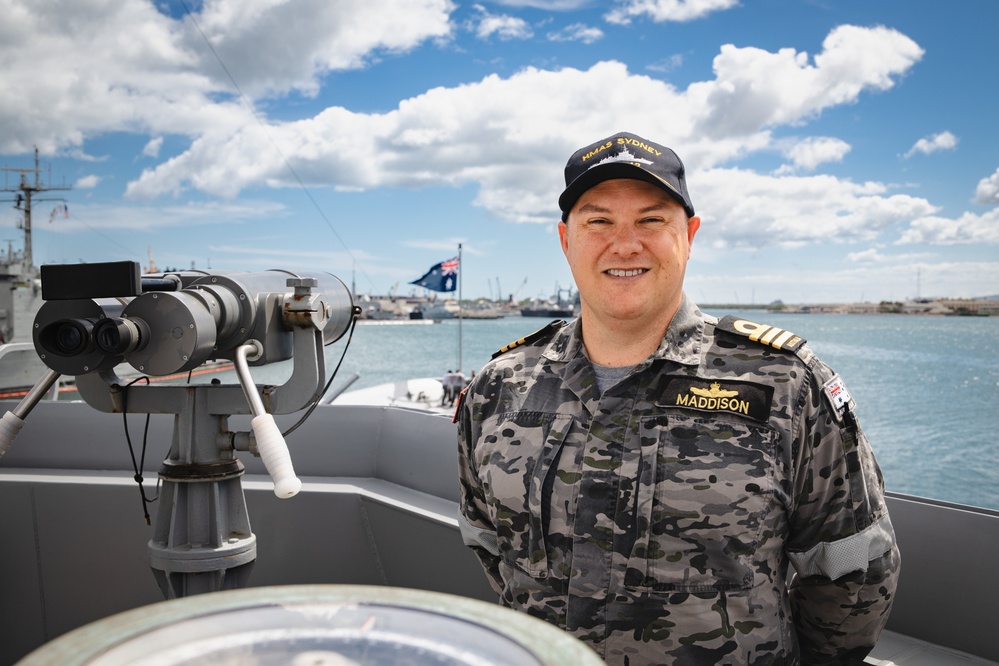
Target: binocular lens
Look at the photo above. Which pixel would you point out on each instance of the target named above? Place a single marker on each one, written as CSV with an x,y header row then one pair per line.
x,y
116,336
108,337
66,338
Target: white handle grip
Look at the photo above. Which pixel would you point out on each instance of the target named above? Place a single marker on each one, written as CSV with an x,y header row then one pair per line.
x,y
274,452
10,425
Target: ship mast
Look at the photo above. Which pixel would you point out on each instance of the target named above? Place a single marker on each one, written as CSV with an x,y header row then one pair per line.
x,y
26,194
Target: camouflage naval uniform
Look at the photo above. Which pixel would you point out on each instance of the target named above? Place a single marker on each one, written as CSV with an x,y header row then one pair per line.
x,y
657,521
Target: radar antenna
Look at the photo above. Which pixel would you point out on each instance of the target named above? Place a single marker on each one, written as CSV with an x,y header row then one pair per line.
x,y
26,195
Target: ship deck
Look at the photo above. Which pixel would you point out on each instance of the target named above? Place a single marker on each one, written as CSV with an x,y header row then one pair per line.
x,y
377,507
894,649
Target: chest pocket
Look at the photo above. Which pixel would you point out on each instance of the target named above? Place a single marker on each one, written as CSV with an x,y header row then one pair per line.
x,y
517,458
705,488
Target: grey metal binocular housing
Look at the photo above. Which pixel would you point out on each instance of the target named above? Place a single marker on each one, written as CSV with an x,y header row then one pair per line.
x,y
97,316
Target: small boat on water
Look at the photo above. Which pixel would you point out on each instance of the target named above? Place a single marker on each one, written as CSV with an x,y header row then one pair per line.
x,y
553,308
433,311
547,310
366,496
424,394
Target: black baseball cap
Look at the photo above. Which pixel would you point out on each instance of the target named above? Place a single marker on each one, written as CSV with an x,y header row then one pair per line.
x,y
624,155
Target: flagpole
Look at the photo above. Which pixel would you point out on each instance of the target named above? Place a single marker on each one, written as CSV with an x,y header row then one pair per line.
x,y
460,271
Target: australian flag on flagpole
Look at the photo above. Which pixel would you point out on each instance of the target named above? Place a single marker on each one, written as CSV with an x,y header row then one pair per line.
x,y
441,277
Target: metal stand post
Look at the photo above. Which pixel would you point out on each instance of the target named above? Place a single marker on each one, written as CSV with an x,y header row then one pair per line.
x,y
202,540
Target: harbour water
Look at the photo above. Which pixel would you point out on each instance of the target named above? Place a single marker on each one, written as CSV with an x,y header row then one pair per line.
x,y
927,388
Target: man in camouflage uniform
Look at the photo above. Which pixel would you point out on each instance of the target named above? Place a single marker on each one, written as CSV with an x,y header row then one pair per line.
x,y
645,476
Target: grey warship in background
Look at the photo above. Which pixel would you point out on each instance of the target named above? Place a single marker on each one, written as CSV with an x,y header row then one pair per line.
x,y
20,286
354,495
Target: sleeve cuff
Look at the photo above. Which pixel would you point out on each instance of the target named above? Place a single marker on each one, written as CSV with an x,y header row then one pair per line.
x,y
834,559
477,536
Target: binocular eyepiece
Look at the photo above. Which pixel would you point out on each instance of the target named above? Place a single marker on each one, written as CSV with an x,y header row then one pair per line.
x,y
67,337
117,336
72,337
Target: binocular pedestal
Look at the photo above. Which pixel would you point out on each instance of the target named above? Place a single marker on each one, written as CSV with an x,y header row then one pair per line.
x,y
201,540
98,317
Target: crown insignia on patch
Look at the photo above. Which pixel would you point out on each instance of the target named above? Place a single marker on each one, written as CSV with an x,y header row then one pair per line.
x,y
715,391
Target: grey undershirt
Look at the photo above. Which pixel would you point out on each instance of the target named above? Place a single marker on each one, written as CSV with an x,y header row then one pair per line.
x,y
607,377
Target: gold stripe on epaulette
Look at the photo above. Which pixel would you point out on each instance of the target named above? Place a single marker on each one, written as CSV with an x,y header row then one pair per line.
x,y
551,327
512,345
772,336
769,335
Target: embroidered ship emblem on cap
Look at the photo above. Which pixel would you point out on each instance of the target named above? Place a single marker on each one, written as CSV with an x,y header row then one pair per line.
x,y
623,156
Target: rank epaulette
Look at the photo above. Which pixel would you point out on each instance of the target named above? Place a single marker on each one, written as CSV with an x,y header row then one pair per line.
x,y
771,336
540,333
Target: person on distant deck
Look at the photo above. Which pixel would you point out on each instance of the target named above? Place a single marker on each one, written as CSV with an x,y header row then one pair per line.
x,y
448,384
458,383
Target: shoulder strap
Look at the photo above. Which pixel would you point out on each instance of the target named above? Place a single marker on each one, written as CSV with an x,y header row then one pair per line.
x,y
533,337
771,336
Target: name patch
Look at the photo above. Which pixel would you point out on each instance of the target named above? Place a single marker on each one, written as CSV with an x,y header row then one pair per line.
x,y
727,396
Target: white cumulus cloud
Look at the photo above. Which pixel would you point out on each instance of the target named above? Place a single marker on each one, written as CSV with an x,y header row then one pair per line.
x,y
577,32
309,38
549,5
744,209
125,67
503,26
87,182
874,256
484,134
152,148
755,89
988,190
966,229
809,153
87,67
931,144
666,10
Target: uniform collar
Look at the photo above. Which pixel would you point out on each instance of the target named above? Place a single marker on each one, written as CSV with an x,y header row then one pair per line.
x,y
681,344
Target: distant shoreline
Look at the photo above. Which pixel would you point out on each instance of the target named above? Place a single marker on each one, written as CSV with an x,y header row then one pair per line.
x,y
943,307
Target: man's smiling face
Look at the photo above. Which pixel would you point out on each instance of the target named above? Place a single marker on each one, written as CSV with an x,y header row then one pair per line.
x,y
627,243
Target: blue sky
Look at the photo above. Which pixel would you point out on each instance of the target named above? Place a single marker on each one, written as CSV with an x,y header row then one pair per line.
x,y
836,151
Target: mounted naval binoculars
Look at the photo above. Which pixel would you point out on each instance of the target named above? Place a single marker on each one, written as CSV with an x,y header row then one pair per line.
x,y
96,316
